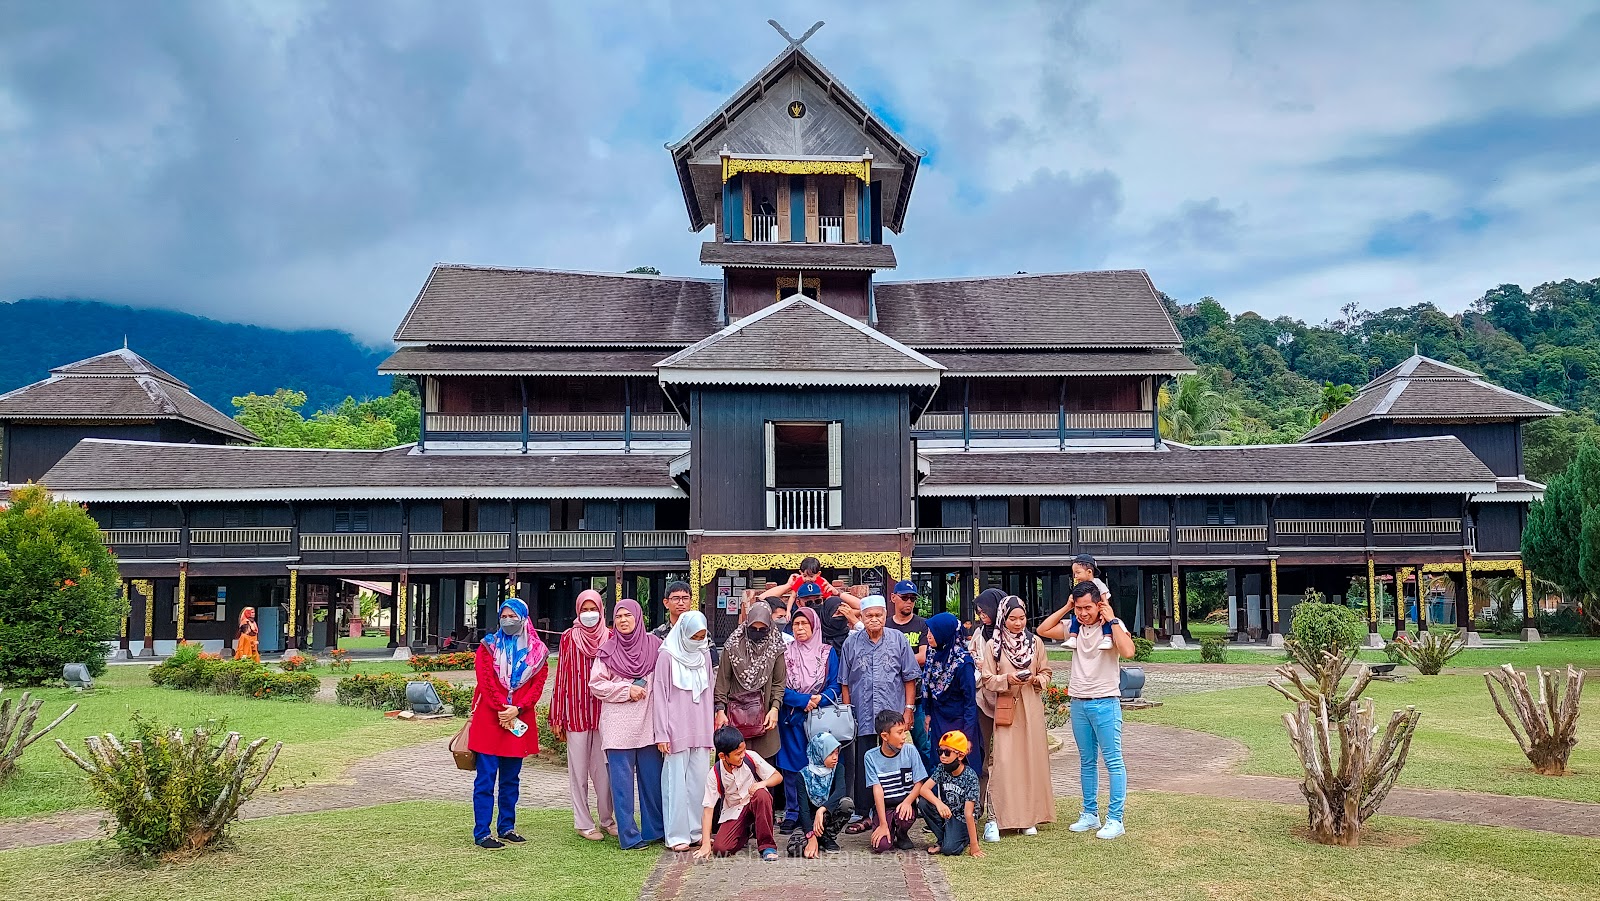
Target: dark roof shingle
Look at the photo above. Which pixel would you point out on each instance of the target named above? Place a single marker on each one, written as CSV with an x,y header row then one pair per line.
x,y
522,361
1425,389
1062,362
793,255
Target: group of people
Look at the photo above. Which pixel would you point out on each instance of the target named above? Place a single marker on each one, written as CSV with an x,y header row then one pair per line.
x,y
824,713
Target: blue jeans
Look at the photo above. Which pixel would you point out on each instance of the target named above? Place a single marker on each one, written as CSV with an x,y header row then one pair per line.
x,y
1097,728
507,771
920,737
626,768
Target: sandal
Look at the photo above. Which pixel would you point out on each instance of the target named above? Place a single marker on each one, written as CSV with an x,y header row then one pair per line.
x,y
857,828
678,848
593,835
769,854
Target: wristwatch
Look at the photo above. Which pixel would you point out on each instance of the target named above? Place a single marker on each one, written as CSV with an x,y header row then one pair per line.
x,y
1115,622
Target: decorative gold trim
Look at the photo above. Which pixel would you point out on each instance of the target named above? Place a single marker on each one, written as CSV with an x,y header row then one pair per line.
x,y
1372,590
1527,593
1177,623
183,599
294,605
732,166
703,569
1478,566
1273,565
789,283
127,609
400,598
147,588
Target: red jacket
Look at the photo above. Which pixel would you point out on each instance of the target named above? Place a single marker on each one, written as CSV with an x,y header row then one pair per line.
x,y
484,733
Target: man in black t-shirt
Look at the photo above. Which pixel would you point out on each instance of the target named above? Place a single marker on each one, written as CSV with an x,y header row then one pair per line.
x,y
906,620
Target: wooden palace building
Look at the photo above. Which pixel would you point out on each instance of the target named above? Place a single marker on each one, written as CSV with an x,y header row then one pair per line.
x,y
584,428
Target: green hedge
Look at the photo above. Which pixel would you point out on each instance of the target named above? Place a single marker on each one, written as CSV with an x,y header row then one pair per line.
x,y
1143,648
387,691
190,669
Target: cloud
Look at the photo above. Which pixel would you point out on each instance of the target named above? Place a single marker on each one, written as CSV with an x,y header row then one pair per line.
x,y
304,163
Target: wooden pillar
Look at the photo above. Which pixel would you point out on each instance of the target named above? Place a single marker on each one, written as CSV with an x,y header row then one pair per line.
x,y
1528,621
146,589
1150,587
293,643
403,609
394,614
182,600
1373,613
1170,618
127,616
1400,601
1272,608
1422,600
1464,598
1183,605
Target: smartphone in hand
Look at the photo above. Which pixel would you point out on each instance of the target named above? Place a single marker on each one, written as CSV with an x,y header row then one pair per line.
x,y
518,727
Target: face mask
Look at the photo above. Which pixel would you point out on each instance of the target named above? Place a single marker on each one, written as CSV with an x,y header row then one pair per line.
x,y
758,635
589,619
511,625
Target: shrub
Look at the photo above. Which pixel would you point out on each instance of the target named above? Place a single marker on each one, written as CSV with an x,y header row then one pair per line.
x,y
1057,706
387,691
548,743
1213,650
340,662
1430,651
1318,627
1391,651
297,663
1566,621
190,669
226,675
168,792
1143,648
264,683
456,660
60,594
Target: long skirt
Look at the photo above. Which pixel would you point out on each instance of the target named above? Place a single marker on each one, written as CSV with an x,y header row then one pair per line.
x,y
683,789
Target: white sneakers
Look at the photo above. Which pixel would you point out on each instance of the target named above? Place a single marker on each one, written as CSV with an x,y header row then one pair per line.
x,y
1112,829
991,831
1031,830
1086,823
1072,641
1105,643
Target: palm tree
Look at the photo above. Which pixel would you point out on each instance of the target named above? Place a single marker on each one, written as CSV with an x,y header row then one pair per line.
x,y
1335,398
1191,412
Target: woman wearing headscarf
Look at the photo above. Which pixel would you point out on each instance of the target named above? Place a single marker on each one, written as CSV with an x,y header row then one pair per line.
x,y
511,666
1017,666
683,714
575,716
621,680
825,802
988,605
950,686
750,681
248,645
811,681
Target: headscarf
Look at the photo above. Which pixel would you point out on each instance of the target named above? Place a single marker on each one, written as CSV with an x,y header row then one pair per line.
x,y
588,640
691,671
1018,648
807,660
632,655
988,601
519,655
247,613
752,660
819,777
949,652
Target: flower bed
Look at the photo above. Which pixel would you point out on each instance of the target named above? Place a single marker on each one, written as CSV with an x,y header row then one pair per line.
x,y
387,691
189,669
438,663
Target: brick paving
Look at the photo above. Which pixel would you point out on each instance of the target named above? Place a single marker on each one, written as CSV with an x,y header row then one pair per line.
x,y
853,874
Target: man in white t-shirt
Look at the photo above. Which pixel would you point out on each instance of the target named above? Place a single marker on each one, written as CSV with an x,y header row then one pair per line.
x,y
1096,691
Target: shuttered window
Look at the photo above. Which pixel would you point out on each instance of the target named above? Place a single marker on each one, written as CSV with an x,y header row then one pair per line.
x,y
351,519
1222,513
770,432
835,475
804,475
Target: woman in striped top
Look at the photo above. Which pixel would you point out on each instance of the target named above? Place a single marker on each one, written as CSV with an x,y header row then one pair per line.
x,y
575,717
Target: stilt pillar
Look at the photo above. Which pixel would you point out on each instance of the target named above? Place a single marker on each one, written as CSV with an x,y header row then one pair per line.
x,y
1530,627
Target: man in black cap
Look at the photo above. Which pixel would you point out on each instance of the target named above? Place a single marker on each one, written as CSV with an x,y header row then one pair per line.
x,y
905,619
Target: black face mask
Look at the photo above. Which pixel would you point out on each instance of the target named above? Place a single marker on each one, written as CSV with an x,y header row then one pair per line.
x,y
757,636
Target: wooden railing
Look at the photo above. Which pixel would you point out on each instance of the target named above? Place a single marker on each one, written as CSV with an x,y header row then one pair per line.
x,y
1123,534
659,422
252,535
655,538
944,536
1033,422
1111,420
550,541
1025,535
475,422
802,509
575,422
140,536
1321,527
764,227
1416,526
350,541
830,229
1221,534
939,422
460,541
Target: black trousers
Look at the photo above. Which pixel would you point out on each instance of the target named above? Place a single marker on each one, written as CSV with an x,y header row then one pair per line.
x,y
951,834
857,773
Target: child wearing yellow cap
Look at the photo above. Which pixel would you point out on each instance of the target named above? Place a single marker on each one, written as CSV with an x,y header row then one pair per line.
x,y
948,802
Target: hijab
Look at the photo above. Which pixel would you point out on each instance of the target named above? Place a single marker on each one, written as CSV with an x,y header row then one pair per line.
x,y
835,628
587,639
518,654
691,669
818,776
807,660
948,654
988,601
751,659
1017,648
633,655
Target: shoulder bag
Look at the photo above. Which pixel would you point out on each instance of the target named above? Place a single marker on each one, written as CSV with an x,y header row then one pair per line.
x,y
839,720
747,712
465,757
1005,708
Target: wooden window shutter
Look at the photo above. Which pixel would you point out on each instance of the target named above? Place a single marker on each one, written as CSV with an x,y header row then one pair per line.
x,y
852,213
749,211
1146,393
430,392
813,229
770,431
835,475
784,195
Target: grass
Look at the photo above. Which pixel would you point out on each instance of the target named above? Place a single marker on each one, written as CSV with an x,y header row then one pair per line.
x,y
1583,653
319,740
407,850
1460,743
1181,847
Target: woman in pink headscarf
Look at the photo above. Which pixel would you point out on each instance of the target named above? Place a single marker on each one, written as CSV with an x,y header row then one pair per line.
x,y
622,679
575,716
812,681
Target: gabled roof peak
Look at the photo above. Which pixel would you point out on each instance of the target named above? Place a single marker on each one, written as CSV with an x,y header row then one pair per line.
x,y
119,362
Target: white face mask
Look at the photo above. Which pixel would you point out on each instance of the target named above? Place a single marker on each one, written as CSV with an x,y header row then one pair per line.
x,y
589,618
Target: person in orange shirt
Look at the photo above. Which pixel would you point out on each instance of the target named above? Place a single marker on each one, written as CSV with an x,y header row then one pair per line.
x,y
248,645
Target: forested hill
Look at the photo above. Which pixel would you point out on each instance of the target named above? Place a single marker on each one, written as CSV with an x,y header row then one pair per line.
x,y
219,360
1269,375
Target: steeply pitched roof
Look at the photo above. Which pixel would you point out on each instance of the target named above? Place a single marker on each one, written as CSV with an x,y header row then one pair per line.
x,y
537,361
798,341
1424,389
101,470
755,120
1114,309
796,255
1413,465
119,385
486,305
983,363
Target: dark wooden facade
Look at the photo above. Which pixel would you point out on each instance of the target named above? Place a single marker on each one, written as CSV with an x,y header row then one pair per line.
x,y
29,449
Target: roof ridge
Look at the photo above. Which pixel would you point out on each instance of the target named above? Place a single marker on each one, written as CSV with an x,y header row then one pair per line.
x,y
1015,275
478,267
253,448
785,305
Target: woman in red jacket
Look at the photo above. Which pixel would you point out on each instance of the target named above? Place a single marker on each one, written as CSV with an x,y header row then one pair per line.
x,y
511,666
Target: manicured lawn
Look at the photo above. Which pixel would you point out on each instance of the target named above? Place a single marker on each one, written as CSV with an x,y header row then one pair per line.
x,y
409,850
1180,847
1552,652
1460,743
319,739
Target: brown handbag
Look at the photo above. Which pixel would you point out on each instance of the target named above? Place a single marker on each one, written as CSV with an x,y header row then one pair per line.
x,y
747,712
1005,709
466,758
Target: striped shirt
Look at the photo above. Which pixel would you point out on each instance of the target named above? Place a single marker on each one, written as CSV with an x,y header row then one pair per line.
x,y
573,706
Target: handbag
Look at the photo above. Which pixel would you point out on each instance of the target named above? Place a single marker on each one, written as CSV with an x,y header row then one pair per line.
x,y
748,714
838,720
466,758
1005,709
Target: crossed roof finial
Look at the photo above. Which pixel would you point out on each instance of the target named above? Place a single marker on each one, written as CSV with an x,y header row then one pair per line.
x,y
793,42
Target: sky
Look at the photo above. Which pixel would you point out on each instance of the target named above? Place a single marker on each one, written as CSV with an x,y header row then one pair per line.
x,y
304,164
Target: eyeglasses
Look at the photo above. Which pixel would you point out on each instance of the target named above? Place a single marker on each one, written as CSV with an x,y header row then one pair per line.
x,y
947,752
677,597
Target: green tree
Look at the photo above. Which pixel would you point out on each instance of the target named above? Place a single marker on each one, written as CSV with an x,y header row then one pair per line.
x,y
371,424
1335,398
1191,412
1562,539
60,597
644,270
